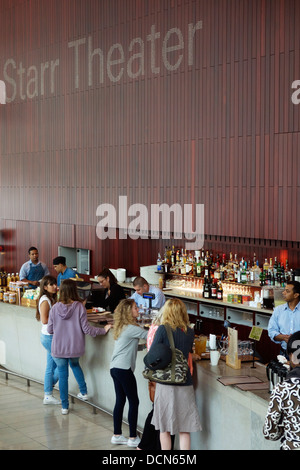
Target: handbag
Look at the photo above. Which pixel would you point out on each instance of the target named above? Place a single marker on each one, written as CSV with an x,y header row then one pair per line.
x,y
175,372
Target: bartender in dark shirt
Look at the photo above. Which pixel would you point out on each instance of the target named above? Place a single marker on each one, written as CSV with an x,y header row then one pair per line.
x,y
113,292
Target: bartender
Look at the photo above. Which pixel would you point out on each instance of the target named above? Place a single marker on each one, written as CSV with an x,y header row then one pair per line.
x,y
113,292
59,264
33,270
286,317
141,286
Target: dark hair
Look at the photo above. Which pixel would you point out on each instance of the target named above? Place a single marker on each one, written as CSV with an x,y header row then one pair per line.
x,y
293,346
296,286
107,273
31,249
46,281
140,281
68,292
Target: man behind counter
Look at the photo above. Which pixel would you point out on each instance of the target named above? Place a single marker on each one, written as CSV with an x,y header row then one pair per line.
x,y
141,286
286,317
59,264
33,270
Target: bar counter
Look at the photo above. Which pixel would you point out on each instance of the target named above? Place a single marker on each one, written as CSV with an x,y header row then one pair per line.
x,y
231,418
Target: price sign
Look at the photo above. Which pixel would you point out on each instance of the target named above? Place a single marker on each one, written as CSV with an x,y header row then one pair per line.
x,y
255,333
232,359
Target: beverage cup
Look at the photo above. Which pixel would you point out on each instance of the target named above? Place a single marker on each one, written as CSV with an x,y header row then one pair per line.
x,y
214,357
200,345
212,341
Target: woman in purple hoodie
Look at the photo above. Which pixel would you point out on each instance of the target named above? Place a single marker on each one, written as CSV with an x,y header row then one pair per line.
x,y
69,324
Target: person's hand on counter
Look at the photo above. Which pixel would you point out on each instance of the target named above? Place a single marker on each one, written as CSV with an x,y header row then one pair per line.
x,y
196,357
107,327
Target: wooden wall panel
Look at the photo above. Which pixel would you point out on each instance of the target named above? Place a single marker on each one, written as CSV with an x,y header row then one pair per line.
x,y
220,129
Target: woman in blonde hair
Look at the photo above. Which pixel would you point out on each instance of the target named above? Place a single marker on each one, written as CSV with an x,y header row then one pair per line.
x,y
126,334
175,408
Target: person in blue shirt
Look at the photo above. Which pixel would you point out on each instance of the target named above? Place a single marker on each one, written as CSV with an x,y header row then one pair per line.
x,y
285,319
141,286
33,270
59,264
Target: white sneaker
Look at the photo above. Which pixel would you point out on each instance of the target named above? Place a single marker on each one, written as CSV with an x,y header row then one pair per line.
x,y
64,411
83,396
133,442
50,400
119,440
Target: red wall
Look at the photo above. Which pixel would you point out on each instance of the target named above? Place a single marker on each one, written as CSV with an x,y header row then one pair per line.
x,y
185,114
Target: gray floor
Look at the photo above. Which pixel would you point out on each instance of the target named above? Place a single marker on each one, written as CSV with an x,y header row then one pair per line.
x,y
27,424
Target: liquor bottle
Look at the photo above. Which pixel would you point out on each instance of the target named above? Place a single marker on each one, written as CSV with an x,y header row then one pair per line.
x,y
282,278
199,268
159,263
220,291
207,272
178,257
262,277
166,255
206,289
268,279
182,268
188,266
243,274
195,267
256,271
266,265
272,279
278,276
235,261
224,260
213,291
217,272
173,256
286,271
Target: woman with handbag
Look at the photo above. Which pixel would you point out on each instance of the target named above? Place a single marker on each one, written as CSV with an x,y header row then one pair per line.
x,y
175,409
126,334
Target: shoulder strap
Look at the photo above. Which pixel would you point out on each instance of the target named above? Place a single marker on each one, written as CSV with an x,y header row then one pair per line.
x,y
170,336
172,346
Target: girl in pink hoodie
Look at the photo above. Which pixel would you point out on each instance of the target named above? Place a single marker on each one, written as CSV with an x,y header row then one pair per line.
x,y
69,324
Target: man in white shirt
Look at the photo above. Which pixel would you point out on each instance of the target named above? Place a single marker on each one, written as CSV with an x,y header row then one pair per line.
x,y
141,286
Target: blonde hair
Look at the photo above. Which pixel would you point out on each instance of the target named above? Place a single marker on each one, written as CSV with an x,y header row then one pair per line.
x,y
175,314
123,316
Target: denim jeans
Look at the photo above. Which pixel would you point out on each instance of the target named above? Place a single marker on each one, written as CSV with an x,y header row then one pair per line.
x,y
125,386
63,375
51,373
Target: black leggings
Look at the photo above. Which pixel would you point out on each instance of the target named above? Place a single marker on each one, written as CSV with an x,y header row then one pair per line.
x,y
125,386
